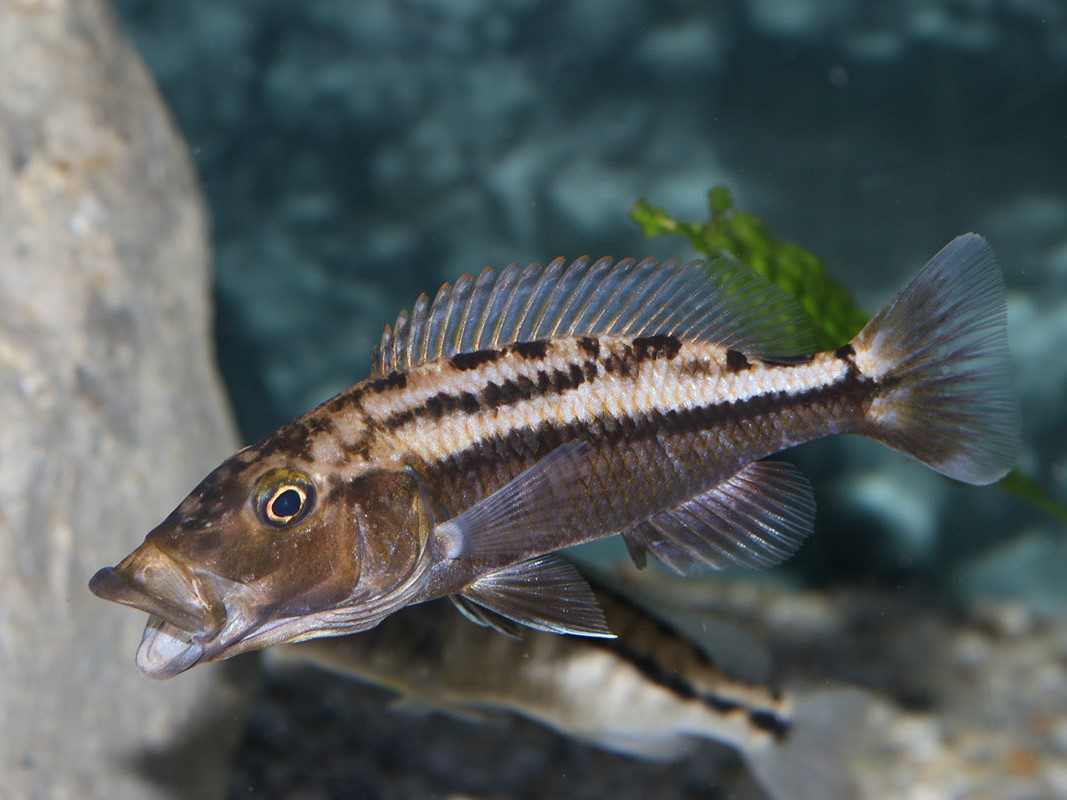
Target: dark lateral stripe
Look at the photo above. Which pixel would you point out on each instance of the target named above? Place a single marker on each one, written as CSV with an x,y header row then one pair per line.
x,y
736,361
394,380
789,361
537,441
353,397
295,438
544,383
531,350
465,361
770,722
764,719
845,352
667,636
590,345
646,347
495,395
441,404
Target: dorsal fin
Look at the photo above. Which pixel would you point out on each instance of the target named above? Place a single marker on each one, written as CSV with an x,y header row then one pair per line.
x,y
721,302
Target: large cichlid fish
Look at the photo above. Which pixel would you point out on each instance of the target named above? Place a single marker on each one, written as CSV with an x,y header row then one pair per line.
x,y
528,410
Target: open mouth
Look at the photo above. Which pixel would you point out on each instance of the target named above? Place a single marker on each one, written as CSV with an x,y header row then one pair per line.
x,y
182,623
167,650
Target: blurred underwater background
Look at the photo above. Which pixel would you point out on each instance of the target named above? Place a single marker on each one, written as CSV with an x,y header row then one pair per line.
x,y
353,155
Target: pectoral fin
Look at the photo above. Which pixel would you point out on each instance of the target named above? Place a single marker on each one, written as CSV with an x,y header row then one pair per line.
x,y
528,514
544,593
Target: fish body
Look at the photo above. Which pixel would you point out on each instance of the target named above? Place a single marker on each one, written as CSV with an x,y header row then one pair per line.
x,y
649,693
536,408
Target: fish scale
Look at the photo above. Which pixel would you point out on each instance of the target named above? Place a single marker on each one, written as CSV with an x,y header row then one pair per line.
x,y
732,420
696,377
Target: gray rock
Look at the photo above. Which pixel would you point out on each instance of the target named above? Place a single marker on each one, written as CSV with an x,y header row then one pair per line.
x,y
110,406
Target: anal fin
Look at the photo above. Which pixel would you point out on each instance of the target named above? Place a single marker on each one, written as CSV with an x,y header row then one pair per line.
x,y
757,518
544,593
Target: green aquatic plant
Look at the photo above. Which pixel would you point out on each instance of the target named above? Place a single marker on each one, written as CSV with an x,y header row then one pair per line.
x,y
1027,489
834,314
835,317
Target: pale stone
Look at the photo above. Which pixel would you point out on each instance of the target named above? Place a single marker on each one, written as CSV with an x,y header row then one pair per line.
x,y
110,405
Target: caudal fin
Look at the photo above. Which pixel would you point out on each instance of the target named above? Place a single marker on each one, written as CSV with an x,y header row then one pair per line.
x,y
939,350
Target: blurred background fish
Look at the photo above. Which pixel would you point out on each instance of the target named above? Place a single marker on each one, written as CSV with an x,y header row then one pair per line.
x,y
649,693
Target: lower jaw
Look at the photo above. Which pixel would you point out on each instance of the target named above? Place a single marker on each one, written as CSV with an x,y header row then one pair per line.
x,y
167,650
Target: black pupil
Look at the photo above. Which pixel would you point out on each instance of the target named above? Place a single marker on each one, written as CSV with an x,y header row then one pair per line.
x,y
286,504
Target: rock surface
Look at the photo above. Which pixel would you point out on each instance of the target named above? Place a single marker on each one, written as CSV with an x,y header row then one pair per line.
x,y
111,409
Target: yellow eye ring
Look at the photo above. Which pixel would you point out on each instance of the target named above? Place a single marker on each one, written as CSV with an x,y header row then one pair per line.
x,y
284,497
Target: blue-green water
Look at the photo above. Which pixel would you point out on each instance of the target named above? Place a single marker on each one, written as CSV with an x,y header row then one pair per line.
x,y
356,154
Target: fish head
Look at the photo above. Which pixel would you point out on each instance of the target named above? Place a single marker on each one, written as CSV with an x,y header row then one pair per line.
x,y
271,548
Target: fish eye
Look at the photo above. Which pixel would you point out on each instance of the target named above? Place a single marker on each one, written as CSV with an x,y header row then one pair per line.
x,y
283,497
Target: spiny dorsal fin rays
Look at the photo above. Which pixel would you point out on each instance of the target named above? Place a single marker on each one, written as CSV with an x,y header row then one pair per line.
x,y
456,313
438,319
470,331
501,296
406,334
719,302
542,300
579,299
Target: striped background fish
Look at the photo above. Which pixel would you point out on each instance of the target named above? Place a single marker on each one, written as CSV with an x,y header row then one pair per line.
x,y
528,410
649,693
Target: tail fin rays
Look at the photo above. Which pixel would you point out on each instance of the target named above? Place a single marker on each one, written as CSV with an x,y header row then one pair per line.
x,y
940,350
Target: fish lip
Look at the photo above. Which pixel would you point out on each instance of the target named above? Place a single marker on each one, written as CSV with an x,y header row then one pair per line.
x,y
151,580
194,615
111,584
174,638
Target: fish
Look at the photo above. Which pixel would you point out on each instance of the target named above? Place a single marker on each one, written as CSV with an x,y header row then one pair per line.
x,y
650,693
527,410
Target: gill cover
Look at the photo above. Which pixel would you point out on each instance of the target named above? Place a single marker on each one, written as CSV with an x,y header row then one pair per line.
x,y
393,518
